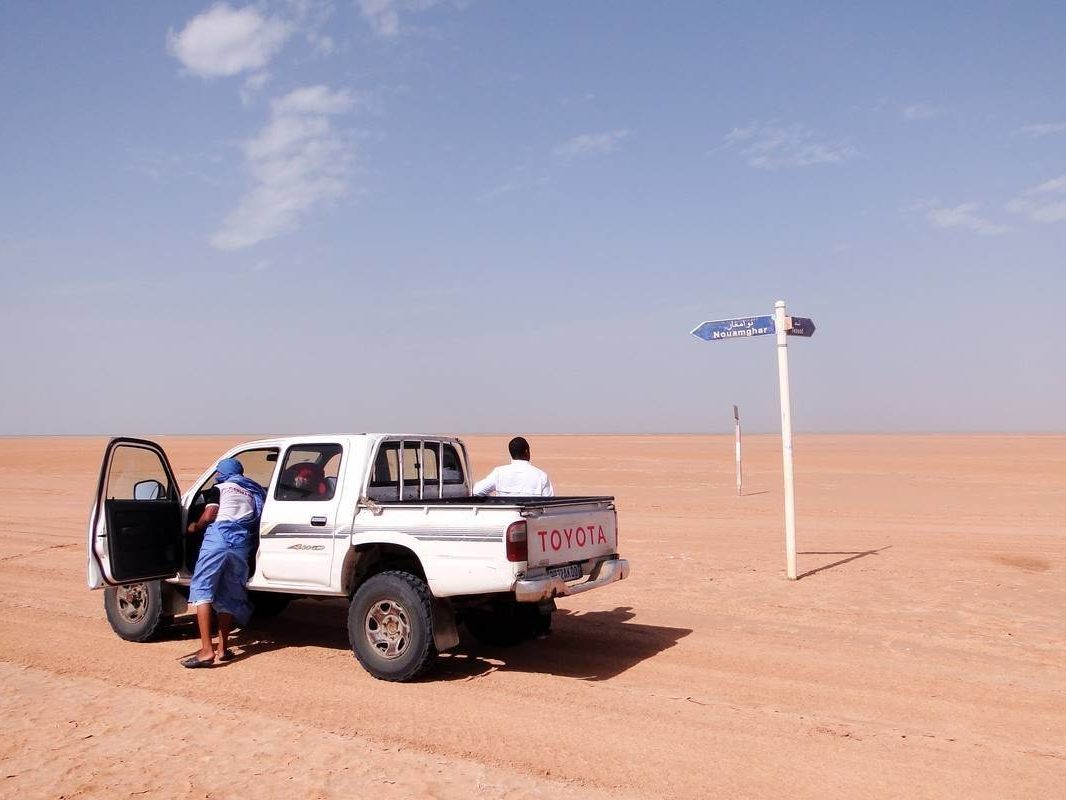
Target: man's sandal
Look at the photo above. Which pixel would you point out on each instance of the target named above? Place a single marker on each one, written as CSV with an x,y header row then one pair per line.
x,y
192,662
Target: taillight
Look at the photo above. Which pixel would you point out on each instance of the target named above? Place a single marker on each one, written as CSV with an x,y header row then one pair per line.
x,y
517,546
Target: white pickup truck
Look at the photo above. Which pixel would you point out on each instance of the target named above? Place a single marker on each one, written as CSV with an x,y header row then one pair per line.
x,y
386,520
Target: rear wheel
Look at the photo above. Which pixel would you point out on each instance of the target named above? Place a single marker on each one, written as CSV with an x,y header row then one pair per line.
x,y
135,610
390,626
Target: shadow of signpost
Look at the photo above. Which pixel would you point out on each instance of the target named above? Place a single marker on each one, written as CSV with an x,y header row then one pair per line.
x,y
853,555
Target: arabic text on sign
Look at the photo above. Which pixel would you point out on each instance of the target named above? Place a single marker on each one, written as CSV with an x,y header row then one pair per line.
x,y
741,327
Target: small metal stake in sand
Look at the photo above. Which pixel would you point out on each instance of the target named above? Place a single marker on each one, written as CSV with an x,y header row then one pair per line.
x,y
740,473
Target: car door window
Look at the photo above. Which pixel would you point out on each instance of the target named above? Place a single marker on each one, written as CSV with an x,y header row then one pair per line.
x,y
137,473
309,473
259,464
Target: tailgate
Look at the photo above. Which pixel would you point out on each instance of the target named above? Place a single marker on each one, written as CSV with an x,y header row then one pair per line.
x,y
560,535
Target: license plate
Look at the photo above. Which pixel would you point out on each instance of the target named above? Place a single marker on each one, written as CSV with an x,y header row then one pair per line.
x,y
571,572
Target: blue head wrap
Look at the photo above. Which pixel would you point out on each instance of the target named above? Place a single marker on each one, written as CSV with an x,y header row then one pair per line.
x,y
228,467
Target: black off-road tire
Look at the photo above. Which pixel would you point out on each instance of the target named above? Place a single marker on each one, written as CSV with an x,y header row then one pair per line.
x,y
135,611
507,623
390,626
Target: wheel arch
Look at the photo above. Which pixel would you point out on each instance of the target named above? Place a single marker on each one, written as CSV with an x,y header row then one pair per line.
x,y
367,559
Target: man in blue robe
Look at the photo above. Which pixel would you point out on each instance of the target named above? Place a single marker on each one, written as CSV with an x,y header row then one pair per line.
x,y
231,522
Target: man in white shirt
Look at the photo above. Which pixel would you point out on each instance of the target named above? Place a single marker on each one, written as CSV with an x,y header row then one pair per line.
x,y
517,479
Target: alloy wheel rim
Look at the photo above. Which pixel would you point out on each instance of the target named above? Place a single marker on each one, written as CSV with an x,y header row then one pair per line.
x,y
133,602
388,629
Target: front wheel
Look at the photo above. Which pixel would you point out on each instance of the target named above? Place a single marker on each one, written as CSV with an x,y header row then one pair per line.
x,y
390,626
135,610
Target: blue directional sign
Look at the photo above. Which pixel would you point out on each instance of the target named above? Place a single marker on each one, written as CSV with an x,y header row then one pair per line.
x,y
739,328
801,326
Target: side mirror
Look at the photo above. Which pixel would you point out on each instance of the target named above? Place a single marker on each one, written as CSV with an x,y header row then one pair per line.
x,y
148,490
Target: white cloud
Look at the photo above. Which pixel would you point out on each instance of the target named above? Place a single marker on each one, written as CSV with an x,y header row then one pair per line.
x,y
1043,203
224,41
313,100
384,15
591,144
964,216
1041,129
921,111
297,163
768,146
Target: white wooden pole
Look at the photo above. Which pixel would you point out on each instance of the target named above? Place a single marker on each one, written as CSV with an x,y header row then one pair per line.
x,y
786,438
740,474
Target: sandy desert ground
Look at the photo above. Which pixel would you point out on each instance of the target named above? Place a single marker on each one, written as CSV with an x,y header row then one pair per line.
x,y
922,654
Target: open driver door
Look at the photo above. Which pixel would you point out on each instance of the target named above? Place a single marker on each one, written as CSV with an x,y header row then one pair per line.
x,y
135,529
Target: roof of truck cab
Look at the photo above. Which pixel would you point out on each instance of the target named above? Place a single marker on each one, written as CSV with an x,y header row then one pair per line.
x,y
316,438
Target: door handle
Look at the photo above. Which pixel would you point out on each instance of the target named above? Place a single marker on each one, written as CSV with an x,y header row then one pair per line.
x,y
318,522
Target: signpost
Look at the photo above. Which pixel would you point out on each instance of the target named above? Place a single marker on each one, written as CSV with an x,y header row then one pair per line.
x,y
782,326
739,328
801,326
786,437
740,476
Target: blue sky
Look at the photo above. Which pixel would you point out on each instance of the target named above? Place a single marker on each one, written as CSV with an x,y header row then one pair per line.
x,y
493,216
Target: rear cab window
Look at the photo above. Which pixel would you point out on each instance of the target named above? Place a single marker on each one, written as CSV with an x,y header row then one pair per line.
x,y
416,469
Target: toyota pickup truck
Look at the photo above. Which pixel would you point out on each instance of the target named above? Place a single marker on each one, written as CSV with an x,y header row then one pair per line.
x,y
385,520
